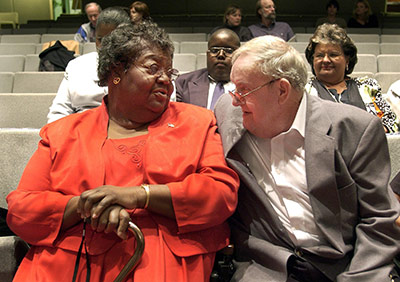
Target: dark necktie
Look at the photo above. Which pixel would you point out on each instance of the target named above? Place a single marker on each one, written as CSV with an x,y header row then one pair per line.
x,y
218,91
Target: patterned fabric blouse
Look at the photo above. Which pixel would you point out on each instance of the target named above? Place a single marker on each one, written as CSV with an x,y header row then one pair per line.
x,y
371,94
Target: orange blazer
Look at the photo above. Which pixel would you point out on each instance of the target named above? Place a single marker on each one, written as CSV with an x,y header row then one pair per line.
x,y
183,151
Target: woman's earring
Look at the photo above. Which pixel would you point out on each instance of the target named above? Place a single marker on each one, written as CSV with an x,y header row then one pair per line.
x,y
347,67
116,80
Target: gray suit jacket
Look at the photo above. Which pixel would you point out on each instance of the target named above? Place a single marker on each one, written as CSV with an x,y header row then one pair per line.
x,y
347,169
193,87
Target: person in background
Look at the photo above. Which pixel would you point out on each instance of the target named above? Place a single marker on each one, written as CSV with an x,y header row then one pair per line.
x,y
314,202
79,90
119,163
87,31
203,87
362,16
265,11
332,8
332,56
139,11
233,20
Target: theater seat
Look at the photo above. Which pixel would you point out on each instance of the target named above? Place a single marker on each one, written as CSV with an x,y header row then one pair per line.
x,y
32,62
26,110
16,147
388,63
386,79
12,63
193,47
366,63
37,82
6,82
184,62
17,48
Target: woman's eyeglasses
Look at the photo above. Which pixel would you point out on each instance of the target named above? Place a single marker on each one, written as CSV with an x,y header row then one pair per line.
x,y
331,56
238,97
157,71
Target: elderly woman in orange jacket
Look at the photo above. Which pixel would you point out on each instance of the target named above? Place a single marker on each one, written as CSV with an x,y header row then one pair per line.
x,y
137,157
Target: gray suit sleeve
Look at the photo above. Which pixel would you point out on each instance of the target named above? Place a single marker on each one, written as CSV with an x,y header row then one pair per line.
x,y
378,239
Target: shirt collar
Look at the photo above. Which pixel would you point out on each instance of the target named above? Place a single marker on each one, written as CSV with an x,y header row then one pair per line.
x,y
299,123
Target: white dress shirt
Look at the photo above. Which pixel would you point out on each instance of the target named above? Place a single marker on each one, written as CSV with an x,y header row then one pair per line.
x,y
278,164
78,90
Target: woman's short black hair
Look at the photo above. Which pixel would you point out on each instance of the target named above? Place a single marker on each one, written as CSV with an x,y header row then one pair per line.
x,y
125,44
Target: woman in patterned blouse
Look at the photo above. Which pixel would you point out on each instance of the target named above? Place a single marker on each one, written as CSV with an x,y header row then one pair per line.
x,y
332,56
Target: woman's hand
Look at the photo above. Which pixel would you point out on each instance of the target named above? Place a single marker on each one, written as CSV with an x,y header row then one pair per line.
x,y
113,219
93,203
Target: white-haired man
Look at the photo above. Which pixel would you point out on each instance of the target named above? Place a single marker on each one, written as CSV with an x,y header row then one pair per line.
x,y
314,203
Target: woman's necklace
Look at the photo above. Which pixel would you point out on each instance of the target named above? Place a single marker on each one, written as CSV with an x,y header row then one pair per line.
x,y
339,87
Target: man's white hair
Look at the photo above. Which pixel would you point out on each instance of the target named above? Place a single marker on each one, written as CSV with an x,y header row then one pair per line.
x,y
276,58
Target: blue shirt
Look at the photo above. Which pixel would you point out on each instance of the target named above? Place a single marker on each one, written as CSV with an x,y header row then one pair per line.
x,y
280,29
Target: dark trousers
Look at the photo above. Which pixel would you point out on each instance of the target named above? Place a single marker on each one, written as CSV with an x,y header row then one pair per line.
x,y
300,270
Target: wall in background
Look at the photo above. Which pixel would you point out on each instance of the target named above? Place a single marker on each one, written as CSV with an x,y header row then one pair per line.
x,y
28,9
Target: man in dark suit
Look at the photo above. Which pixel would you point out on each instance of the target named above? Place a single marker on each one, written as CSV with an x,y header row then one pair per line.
x,y
203,87
314,202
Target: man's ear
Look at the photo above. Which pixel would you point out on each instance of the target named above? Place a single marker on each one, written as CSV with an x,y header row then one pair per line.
x,y
284,90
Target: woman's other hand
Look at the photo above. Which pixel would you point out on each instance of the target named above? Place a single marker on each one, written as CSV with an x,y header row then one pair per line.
x,y
113,219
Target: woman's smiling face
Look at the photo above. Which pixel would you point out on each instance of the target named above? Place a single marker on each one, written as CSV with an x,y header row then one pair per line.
x,y
145,88
329,62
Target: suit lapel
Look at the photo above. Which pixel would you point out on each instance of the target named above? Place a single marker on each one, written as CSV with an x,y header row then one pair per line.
x,y
198,90
320,171
229,121
265,222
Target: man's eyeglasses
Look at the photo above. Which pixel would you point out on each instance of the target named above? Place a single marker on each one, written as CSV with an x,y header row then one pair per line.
x,y
238,97
226,50
157,71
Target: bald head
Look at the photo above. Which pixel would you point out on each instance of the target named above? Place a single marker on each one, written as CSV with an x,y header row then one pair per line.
x,y
225,35
220,47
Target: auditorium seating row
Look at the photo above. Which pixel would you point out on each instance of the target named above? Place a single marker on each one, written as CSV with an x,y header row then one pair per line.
x,y
18,63
41,38
186,62
37,48
195,47
30,82
358,38
362,47
179,37
27,104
